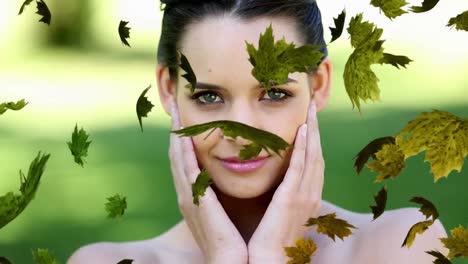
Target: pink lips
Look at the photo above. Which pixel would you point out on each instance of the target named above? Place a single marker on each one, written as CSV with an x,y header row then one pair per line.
x,y
238,166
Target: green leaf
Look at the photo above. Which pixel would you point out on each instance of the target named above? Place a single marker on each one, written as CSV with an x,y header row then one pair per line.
x,y
440,258
11,205
261,139
369,151
458,243
427,208
79,145
12,106
43,256
116,206
417,228
274,61
460,22
124,32
200,185
381,202
25,3
331,226
391,8
339,26
43,11
143,107
190,74
125,261
302,252
395,60
426,6
389,162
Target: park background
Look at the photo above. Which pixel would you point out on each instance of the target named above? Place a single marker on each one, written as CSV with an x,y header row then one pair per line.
x,y
76,71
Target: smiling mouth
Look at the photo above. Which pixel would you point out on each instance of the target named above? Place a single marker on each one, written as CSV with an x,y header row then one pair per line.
x,y
237,166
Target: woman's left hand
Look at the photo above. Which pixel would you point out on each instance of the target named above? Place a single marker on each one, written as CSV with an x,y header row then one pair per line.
x,y
296,199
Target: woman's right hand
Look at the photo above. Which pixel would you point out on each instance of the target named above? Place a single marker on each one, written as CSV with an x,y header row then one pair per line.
x,y
216,235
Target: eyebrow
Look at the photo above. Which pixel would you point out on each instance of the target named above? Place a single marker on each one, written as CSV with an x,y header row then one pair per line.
x,y
209,86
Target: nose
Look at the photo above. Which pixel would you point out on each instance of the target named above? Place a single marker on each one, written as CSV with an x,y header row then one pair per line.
x,y
243,113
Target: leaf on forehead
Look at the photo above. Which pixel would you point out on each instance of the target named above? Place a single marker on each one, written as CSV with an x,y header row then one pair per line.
x,y
273,62
395,60
124,32
43,256
43,11
4,260
200,185
302,252
389,161
369,151
331,226
460,21
12,106
391,8
440,258
190,74
339,26
79,145
116,206
458,243
381,202
25,3
426,6
143,107
427,208
417,228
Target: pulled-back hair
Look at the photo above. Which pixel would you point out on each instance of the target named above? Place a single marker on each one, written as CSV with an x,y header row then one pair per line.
x,y
178,14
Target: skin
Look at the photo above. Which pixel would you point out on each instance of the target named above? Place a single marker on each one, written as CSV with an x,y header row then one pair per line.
x,y
249,218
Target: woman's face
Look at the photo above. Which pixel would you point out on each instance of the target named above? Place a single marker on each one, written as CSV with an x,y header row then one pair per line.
x,y
217,52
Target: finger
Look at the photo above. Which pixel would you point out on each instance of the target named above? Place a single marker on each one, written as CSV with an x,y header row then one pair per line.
x,y
175,154
191,168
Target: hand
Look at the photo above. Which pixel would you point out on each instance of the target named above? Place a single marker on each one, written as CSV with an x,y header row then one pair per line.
x,y
296,199
216,235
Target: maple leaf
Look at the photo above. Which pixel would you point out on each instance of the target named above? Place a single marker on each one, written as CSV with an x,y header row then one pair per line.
x,y
4,260
389,162
458,243
43,11
460,21
12,106
124,32
25,3
302,252
199,186
116,206
442,135
331,226
143,106
43,256
11,205
440,258
260,138
79,145
190,74
427,208
417,228
125,261
391,8
369,151
339,26
395,60
426,6
381,202
274,61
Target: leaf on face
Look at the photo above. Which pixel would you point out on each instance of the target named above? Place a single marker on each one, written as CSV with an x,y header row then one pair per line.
x,y
143,107
339,26
440,258
79,145
12,106
391,8
260,138
43,11
125,261
274,61
199,186
369,151
427,208
302,252
116,206
442,135
43,256
190,74
124,32
4,260
426,6
25,3
458,243
460,21
381,202
11,205
417,228
389,161
331,226
395,60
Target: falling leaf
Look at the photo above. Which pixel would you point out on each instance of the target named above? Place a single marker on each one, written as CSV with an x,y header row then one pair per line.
x,y
460,22
260,138
426,6
43,256
190,74
391,8
417,228
369,151
458,243
4,260
442,135
124,32
427,208
143,107
25,3
331,226
11,205
381,202
12,106
440,258
199,186
43,11
116,206
274,61
302,252
125,261
389,162
395,60
339,26
79,145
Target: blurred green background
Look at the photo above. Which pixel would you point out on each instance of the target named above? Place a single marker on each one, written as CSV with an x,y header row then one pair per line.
x,y
77,72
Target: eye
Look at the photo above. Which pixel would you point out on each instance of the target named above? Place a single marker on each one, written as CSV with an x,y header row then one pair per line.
x,y
277,94
204,98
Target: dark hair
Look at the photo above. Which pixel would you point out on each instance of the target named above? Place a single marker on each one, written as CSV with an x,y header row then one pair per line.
x,y
180,13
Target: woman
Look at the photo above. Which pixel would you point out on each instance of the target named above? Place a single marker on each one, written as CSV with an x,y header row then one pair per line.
x,y
249,216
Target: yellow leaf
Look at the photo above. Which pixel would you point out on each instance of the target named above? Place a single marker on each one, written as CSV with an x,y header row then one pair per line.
x,y
458,243
302,252
417,228
389,162
331,226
